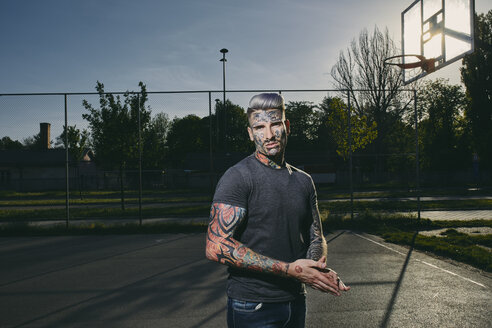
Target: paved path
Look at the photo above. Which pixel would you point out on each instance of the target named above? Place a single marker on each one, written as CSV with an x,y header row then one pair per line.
x,y
164,281
456,215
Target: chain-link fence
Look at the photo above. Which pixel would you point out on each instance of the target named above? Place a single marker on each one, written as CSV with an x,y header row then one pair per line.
x,y
149,155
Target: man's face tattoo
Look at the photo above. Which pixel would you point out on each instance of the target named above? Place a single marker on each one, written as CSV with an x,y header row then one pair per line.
x,y
268,131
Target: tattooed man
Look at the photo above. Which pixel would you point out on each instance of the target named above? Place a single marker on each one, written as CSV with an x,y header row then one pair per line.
x,y
265,226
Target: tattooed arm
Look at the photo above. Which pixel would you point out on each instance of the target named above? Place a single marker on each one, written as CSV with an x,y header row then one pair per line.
x,y
317,246
223,248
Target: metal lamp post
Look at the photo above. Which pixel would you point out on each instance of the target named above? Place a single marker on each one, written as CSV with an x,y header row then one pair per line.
x,y
223,60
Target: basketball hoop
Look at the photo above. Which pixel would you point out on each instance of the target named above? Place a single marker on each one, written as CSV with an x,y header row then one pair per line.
x,y
407,62
413,66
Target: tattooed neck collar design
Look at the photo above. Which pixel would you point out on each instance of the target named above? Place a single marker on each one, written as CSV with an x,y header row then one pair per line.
x,y
269,162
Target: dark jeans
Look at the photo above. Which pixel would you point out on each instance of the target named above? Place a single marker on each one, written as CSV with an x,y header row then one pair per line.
x,y
244,314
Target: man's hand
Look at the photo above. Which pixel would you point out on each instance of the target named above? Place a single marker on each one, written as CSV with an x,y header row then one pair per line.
x,y
316,275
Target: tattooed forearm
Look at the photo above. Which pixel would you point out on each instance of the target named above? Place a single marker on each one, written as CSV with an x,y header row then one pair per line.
x,y
223,248
317,247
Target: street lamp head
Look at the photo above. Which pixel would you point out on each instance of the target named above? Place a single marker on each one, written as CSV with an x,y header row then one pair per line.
x,y
224,50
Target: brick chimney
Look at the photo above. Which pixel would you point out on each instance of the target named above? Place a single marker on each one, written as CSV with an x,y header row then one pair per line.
x,y
44,135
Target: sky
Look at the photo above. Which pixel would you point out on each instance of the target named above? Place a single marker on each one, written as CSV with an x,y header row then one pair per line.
x,y
68,45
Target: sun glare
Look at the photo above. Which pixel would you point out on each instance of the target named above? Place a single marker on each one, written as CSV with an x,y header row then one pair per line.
x,y
432,48
437,29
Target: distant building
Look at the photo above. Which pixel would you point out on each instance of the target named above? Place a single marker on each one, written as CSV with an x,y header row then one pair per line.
x,y
43,169
30,170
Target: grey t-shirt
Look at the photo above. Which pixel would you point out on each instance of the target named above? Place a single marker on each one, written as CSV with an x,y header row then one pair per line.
x,y
279,205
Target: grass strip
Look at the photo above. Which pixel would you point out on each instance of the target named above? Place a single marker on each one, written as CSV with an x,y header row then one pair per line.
x,y
461,249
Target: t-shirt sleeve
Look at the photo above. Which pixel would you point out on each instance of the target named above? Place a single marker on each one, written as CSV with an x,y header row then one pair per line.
x,y
313,198
312,193
308,184
232,189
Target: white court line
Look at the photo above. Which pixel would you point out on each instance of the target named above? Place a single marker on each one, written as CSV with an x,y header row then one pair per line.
x,y
424,262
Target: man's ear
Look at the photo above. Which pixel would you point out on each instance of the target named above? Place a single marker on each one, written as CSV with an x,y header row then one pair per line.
x,y
287,126
250,132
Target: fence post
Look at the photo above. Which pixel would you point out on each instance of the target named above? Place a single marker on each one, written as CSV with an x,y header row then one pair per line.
x,y
211,171
67,173
349,114
217,124
139,162
417,160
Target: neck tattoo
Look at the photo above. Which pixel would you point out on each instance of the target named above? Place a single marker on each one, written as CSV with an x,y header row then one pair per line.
x,y
268,161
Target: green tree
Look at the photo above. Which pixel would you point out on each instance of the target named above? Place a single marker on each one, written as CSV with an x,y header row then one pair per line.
x,y
401,147
8,144
34,142
229,131
191,134
325,140
78,141
114,129
361,67
362,132
442,106
184,137
476,74
304,125
154,142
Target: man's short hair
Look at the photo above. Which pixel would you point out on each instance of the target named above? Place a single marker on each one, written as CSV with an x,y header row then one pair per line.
x,y
264,101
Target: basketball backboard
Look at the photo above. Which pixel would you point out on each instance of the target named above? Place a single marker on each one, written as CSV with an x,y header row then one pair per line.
x,y
438,29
